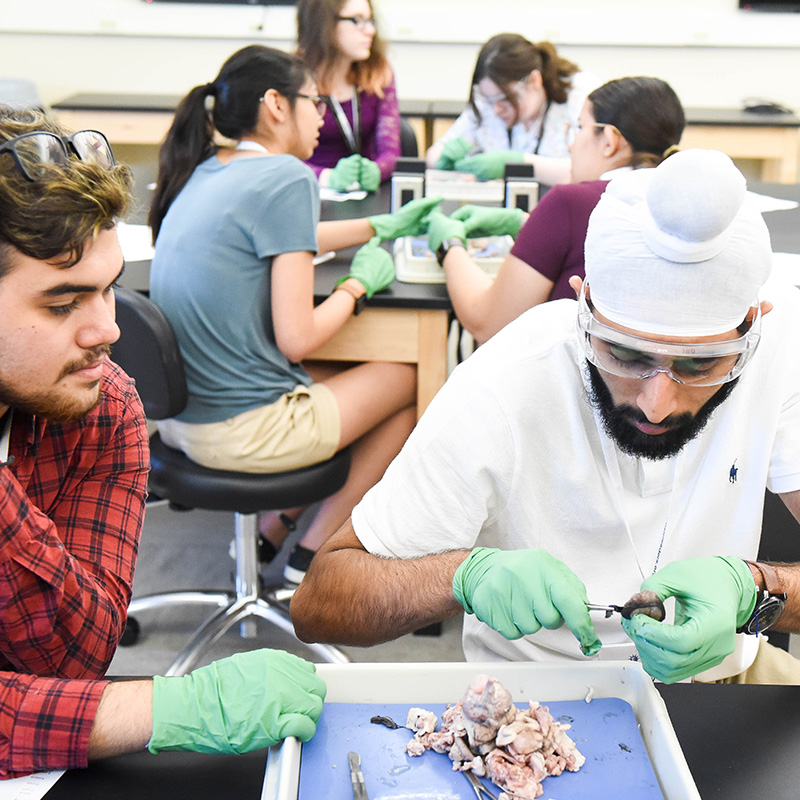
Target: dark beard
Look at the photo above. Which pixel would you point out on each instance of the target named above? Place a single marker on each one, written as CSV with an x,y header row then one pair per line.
x,y
617,421
50,405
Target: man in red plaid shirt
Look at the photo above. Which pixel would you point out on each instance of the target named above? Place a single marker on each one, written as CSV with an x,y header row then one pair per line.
x,y
73,471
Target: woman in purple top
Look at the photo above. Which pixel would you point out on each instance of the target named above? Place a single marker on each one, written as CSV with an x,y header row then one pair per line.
x,y
359,142
625,124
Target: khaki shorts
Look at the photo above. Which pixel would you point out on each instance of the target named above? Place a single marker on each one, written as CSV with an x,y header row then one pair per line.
x,y
299,429
772,666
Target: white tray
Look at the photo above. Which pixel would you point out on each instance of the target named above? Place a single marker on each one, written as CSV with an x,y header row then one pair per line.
x,y
414,263
418,684
463,186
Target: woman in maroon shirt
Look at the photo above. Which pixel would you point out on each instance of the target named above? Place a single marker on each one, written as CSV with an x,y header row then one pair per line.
x,y
359,142
625,124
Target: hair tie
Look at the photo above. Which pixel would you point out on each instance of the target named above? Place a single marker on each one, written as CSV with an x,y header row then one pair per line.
x,y
673,148
211,88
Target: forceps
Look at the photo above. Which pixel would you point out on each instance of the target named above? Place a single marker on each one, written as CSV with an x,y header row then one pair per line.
x,y
481,791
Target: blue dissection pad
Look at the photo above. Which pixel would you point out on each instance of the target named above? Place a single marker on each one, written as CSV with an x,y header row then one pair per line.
x,y
605,730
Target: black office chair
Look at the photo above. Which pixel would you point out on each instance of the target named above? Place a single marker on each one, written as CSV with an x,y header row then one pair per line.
x,y
409,147
148,351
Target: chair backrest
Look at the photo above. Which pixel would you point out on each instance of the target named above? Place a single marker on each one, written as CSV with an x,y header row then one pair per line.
x,y
148,351
409,147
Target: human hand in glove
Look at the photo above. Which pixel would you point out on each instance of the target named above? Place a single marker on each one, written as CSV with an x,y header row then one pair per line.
x,y
486,166
441,228
245,702
369,175
486,221
517,592
346,172
453,150
713,597
409,220
372,267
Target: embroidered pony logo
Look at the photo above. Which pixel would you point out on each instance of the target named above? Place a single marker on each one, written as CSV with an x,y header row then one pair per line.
x,y
732,475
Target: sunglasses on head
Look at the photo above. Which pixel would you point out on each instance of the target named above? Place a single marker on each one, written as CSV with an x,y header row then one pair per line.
x,y
37,151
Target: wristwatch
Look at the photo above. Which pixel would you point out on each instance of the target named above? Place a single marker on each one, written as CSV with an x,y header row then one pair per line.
x,y
770,601
445,246
361,299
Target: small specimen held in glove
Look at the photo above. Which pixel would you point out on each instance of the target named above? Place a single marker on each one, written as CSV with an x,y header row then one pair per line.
x,y
645,602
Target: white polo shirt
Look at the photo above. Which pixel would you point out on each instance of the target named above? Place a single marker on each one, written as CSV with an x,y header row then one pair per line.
x,y
511,454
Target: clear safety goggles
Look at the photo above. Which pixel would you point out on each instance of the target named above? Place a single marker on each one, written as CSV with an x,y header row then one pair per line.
x,y
511,97
694,364
36,151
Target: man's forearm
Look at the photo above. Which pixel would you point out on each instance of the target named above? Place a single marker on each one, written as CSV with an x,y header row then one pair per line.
x,y
352,597
124,720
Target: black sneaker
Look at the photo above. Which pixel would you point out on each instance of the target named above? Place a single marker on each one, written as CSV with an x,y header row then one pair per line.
x,y
298,563
266,550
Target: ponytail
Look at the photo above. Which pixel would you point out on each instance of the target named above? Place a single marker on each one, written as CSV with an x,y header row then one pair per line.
x,y
189,142
556,73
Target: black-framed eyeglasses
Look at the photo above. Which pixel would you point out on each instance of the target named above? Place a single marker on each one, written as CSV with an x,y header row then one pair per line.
x,y
360,22
36,151
320,101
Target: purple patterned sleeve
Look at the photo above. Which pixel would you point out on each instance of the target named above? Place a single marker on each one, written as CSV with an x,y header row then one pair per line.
x,y
387,132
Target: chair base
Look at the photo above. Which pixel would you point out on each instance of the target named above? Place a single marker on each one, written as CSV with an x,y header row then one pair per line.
x,y
239,606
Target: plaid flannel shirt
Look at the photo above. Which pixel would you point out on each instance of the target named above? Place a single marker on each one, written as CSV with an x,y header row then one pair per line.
x,y
71,511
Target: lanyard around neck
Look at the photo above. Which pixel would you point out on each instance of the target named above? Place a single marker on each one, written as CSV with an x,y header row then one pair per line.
x,y
350,133
610,454
541,128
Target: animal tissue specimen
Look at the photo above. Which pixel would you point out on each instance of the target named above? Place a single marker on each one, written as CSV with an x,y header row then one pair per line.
x,y
487,734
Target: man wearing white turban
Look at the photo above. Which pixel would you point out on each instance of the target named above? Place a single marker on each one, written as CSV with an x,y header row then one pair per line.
x,y
593,449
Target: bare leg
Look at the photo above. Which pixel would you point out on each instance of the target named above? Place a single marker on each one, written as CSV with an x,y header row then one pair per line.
x,y
371,455
377,410
273,529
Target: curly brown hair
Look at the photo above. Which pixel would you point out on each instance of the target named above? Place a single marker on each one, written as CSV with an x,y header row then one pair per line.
x,y
52,218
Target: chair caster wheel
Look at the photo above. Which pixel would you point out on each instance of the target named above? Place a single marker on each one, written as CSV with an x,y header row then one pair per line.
x,y
131,633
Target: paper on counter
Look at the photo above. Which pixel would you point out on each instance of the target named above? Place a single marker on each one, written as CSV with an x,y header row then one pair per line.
x,y
766,203
326,193
31,787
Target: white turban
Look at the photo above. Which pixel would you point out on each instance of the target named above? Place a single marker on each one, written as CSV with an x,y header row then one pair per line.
x,y
679,250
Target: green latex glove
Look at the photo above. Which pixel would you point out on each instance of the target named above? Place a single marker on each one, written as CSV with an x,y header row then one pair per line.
x,y
372,266
486,166
453,150
486,221
370,175
441,227
246,702
409,220
346,172
713,597
517,592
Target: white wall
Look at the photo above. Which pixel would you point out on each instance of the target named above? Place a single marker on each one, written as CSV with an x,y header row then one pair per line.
x,y
712,53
